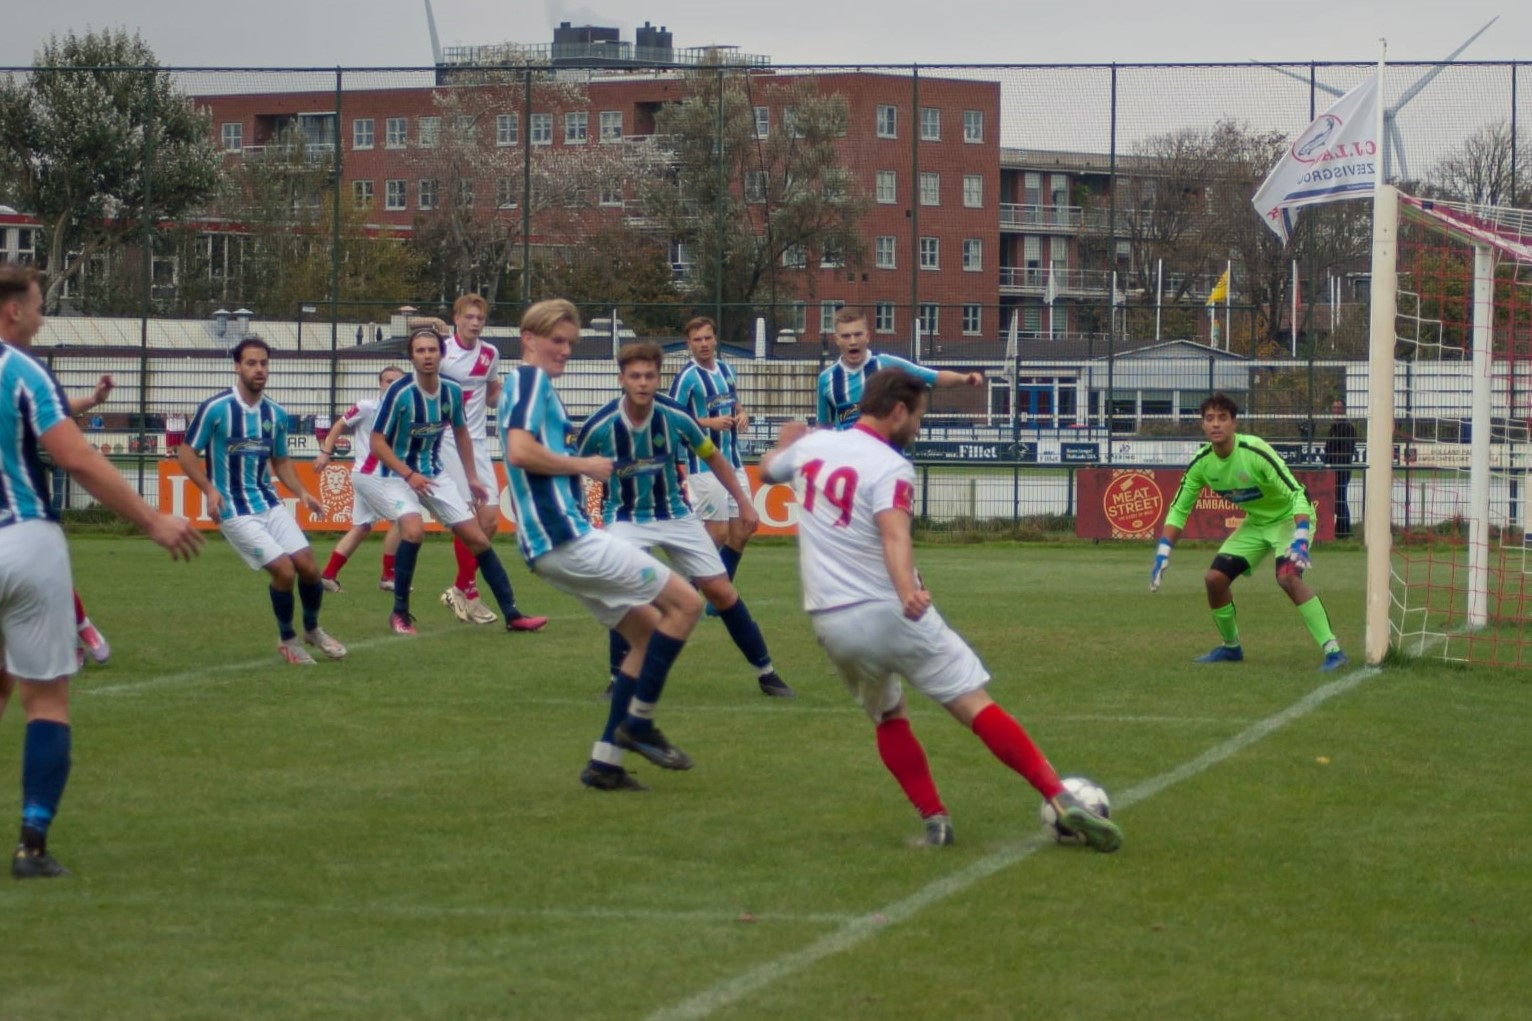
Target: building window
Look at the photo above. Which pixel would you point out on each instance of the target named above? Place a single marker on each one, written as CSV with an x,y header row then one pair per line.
x,y
428,193
1032,188
790,122
394,195
832,254
930,124
973,126
361,194
576,127
611,125
973,255
973,319
430,132
466,127
396,132
507,129
827,310
798,316
888,122
930,253
755,186
973,191
506,193
233,137
363,133
575,198
795,257
1058,189
610,194
762,121
883,252
464,193
883,317
930,320
888,182
930,188
542,129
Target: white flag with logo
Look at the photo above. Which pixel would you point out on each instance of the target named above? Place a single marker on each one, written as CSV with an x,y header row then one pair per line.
x,y
1335,158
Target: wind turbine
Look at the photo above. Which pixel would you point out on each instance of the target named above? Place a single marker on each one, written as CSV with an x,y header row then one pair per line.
x,y
1393,141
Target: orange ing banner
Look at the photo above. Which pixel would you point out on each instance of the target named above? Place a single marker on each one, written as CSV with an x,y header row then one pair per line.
x,y
1131,503
774,503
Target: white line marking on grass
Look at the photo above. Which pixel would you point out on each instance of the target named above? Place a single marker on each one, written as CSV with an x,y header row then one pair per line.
x,y
862,928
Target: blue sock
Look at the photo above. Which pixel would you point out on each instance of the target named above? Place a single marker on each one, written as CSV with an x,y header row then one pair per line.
x,y
44,772
746,635
616,650
658,659
730,557
493,573
282,605
623,687
310,594
404,574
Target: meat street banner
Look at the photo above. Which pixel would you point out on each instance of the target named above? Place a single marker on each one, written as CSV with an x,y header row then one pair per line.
x,y
1131,503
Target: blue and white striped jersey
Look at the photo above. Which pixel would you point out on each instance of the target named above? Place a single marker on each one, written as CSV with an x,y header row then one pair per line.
x,y
708,393
550,509
840,388
645,485
414,423
32,403
237,442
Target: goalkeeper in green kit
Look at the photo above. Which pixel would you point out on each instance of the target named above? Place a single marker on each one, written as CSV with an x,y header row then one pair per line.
x,y
1245,471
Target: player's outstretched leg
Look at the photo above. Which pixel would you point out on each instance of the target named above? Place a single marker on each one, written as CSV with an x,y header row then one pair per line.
x,y
905,759
1099,832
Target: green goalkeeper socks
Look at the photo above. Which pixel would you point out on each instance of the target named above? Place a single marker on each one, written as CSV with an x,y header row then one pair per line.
x,y
1318,622
1223,618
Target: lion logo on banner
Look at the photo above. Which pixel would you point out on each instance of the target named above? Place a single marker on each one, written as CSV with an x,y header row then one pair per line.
x,y
335,492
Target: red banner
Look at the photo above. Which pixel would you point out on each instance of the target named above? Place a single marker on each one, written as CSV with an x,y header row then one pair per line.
x,y
1131,503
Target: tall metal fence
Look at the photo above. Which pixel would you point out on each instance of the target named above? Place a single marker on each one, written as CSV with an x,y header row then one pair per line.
x,y
1062,227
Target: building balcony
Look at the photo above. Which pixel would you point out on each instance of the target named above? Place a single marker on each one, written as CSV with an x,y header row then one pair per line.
x,y
1032,281
1040,219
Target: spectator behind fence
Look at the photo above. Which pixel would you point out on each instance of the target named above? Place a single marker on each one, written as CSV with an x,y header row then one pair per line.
x,y
1340,453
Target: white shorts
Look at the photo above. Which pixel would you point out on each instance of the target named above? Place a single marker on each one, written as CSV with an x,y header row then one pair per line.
x,y
37,628
362,514
874,644
710,499
452,468
392,498
608,576
684,540
261,538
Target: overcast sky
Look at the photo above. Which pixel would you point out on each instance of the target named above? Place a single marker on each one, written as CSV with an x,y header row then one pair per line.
x,y
393,33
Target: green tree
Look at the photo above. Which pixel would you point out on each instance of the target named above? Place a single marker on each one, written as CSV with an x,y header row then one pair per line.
x,y
739,204
75,135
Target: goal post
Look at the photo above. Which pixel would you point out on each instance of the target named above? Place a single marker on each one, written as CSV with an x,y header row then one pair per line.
x,y
1377,521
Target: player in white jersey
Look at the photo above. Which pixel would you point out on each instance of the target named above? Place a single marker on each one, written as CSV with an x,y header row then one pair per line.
x,y
873,614
357,421
473,364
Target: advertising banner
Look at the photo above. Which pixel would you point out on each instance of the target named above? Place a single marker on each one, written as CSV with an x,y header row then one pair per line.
x,y
1131,503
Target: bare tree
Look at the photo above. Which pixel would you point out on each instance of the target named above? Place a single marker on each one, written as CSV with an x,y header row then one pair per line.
x,y
1490,167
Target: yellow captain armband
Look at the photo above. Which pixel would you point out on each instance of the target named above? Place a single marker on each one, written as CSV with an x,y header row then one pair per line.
x,y
706,449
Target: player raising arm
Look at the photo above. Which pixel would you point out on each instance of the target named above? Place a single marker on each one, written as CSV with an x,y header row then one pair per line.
x,y
872,613
842,383
1245,471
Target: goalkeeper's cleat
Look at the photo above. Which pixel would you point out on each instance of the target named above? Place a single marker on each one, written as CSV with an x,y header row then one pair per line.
x,y
1334,661
478,613
599,776
331,585
938,831
320,639
652,745
1223,654
1099,831
35,863
454,600
773,686
94,642
295,653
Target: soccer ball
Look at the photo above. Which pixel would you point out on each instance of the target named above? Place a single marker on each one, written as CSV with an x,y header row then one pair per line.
x,y
1091,794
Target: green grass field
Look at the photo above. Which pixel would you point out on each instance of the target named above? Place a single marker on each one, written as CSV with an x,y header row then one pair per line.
x,y
403,835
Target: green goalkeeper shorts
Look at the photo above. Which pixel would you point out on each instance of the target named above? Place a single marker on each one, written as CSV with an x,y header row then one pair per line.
x,y
1252,543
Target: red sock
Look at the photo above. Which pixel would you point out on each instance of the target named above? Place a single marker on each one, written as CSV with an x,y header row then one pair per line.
x,y
467,567
1010,744
388,566
79,610
337,561
906,759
